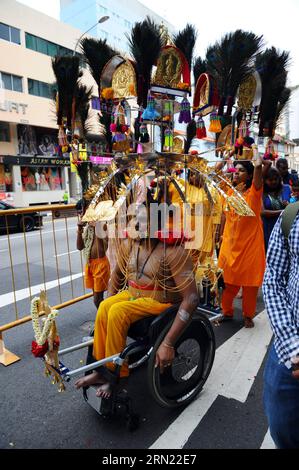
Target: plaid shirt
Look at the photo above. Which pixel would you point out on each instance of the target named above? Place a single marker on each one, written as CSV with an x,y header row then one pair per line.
x,y
281,291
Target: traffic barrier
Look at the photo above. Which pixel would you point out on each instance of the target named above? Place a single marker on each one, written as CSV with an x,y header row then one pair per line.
x,y
61,214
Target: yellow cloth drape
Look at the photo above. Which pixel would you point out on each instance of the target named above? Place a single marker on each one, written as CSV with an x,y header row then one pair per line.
x,y
114,317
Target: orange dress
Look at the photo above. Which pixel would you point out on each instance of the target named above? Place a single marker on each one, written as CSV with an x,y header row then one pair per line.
x,y
242,254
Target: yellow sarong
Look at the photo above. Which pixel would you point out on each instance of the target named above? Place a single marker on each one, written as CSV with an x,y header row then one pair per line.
x,y
114,318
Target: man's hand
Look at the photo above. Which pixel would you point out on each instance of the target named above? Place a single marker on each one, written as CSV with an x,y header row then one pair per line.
x,y
164,357
285,203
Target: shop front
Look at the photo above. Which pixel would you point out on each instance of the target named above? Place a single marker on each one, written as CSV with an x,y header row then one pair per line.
x,y
26,181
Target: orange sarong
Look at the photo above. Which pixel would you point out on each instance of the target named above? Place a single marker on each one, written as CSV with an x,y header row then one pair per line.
x,y
242,253
97,274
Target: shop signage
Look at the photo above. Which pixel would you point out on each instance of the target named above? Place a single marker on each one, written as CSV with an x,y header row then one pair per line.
x,y
100,160
34,161
12,106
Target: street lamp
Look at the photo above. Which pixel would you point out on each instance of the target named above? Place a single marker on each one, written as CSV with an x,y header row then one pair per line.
x,y
101,20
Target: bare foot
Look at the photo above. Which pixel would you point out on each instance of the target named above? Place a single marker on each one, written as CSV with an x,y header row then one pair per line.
x,y
104,391
248,322
91,379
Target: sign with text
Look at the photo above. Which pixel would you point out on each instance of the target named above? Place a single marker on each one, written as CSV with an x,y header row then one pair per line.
x,y
34,161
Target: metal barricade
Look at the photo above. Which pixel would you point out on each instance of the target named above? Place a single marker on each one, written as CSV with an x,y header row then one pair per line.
x,y
39,248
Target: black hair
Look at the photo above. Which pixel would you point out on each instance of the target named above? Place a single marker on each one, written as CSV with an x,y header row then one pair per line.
x,y
272,172
282,160
249,168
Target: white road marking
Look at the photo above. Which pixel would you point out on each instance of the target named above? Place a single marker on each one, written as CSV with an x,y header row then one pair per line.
x,y
8,299
64,254
227,360
250,348
37,233
268,442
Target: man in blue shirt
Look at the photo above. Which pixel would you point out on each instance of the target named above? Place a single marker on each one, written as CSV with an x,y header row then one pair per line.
x,y
283,168
281,295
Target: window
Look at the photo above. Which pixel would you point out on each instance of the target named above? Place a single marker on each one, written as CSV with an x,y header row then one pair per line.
x,y
6,81
5,181
9,33
15,35
52,49
11,82
4,132
37,88
45,47
30,42
42,179
17,83
42,46
4,31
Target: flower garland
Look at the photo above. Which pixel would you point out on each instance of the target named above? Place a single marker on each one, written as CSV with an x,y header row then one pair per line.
x,y
41,335
88,238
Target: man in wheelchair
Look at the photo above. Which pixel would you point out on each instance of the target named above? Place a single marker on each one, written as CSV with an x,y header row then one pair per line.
x,y
156,273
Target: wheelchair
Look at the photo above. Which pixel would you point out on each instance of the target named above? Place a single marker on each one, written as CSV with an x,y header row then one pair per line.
x,y
177,386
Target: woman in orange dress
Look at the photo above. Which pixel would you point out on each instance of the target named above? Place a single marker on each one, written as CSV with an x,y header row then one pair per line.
x,y
242,253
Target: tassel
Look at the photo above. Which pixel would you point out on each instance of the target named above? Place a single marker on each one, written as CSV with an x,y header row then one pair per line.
x,y
150,113
201,132
144,135
215,124
167,111
139,149
185,114
168,140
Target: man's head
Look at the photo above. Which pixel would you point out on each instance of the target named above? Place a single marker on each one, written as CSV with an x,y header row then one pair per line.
x,y
282,166
243,174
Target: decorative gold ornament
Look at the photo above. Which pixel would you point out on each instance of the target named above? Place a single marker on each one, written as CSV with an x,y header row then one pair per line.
x,y
247,92
102,212
178,144
164,34
124,81
169,68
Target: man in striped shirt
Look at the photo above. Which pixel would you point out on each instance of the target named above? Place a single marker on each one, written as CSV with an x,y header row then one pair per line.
x,y
281,295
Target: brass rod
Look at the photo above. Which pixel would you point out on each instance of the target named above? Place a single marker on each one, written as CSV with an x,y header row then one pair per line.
x,y
12,269
69,256
57,265
43,259
27,260
23,320
46,208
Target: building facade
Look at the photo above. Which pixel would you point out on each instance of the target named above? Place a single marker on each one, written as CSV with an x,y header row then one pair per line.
x,y
122,16
30,170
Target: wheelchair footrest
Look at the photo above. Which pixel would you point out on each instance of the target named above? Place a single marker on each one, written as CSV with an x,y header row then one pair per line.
x,y
120,402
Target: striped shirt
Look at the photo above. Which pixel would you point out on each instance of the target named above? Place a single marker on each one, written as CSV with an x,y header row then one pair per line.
x,y
281,291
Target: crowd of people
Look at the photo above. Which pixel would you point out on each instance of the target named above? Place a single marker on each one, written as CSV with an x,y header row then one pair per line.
x,y
243,243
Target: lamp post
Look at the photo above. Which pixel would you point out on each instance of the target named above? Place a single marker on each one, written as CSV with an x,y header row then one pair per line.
x,y
101,20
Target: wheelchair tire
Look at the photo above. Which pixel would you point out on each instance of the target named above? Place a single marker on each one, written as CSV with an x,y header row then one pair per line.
x,y
194,357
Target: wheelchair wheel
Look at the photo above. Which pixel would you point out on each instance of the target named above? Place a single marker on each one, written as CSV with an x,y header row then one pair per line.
x,y
194,357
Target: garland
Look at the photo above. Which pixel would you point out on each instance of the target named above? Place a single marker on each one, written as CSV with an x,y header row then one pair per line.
x,y
88,238
41,335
